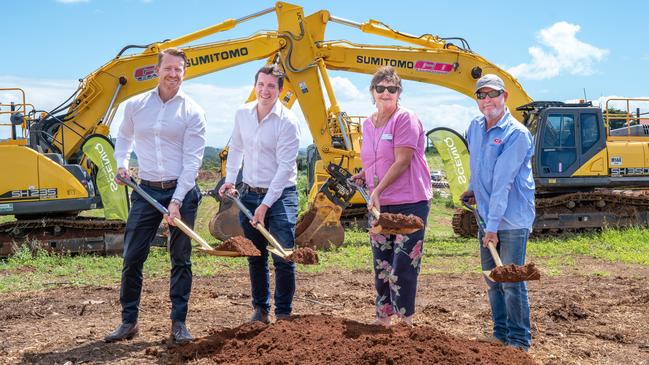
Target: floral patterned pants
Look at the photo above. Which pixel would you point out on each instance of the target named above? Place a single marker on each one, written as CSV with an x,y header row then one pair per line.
x,y
396,260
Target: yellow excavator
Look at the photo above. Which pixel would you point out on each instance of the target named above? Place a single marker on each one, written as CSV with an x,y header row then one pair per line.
x,y
51,142
52,180
582,182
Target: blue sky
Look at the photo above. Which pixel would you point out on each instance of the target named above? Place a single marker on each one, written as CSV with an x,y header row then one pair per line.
x,y
556,49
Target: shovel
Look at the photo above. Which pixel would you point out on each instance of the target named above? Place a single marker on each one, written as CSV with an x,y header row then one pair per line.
x,y
509,273
275,247
205,247
377,229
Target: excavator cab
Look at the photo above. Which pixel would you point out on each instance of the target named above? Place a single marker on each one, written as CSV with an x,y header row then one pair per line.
x,y
567,136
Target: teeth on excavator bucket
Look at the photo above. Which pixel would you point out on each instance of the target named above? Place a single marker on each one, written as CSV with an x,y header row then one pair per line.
x,y
320,226
225,224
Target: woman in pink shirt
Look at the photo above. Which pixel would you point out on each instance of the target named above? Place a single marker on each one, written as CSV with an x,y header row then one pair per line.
x,y
398,178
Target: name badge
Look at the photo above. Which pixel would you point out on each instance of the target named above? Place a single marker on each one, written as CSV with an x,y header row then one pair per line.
x,y
386,137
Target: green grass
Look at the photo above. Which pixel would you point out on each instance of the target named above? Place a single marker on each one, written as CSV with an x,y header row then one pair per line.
x,y
443,253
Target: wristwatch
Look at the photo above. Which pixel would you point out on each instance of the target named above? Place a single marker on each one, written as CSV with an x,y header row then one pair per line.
x,y
178,202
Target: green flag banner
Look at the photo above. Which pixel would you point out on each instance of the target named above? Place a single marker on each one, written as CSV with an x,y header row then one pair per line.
x,y
454,152
99,150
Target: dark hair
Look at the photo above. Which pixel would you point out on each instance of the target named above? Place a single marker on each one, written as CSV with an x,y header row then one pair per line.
x,y
273,71
385,73
173,52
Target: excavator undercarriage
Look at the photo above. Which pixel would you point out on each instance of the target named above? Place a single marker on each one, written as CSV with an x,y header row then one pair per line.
x,y
576,212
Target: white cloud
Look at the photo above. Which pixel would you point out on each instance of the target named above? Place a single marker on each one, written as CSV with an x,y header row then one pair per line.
x,y
559,52
72,1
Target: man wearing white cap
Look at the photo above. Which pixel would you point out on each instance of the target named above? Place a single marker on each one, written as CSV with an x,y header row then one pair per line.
x,y
502,185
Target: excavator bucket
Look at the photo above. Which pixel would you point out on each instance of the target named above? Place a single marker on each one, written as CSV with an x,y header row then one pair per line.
x,y
225,223
320,226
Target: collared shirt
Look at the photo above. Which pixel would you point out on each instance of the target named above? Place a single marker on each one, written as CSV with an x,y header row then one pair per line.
x,y
267,148
168,138
403,129
501,172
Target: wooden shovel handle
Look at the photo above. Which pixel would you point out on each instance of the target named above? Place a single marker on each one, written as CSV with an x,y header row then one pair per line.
x,y
375,212
190,232
272,240
494,253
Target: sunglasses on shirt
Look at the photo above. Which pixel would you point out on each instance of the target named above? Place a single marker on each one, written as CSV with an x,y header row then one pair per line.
x,y
491,94
391,89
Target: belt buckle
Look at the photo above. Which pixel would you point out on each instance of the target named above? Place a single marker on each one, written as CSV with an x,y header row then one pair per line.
x,y
162,184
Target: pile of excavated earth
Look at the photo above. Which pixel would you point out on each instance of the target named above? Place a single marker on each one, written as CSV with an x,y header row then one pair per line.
x,y
320,339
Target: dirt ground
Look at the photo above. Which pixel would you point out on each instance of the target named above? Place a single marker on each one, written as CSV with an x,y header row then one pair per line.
x,y
577,319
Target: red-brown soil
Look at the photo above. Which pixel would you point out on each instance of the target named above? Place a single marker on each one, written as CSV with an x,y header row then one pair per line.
x,y
513,273
239,244
394,221
322,339
304,256
578,318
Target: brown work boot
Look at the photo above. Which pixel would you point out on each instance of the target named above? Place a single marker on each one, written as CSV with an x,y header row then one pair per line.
x,y
179,333
125,331
260,315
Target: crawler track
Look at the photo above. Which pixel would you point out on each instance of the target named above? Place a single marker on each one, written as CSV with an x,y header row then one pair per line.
x,y
74,234
576,212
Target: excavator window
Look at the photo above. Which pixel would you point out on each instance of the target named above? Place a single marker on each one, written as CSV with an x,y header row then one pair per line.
x,y
559,151
589,130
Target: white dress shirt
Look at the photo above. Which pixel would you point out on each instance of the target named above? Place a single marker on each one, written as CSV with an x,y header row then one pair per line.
x,y
267,148
169,139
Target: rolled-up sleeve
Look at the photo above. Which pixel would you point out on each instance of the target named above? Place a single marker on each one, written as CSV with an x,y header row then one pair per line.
x,y
288,145
506,168
193,149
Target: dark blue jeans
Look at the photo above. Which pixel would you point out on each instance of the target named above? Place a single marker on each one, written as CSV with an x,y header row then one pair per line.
x,y
141,227
397,262
510,308
280,222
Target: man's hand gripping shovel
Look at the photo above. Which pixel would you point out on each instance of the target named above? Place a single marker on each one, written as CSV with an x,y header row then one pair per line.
x,y
204,246
503,273
275,247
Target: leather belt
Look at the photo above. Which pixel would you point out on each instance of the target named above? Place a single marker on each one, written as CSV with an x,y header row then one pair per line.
x,y
169,184
256,190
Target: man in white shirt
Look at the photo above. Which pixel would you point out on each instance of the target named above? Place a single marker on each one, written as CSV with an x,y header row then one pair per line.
x,y
167,129
266,139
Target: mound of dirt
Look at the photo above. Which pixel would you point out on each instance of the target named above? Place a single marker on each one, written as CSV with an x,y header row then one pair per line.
x,y
304,256
320,339
239,244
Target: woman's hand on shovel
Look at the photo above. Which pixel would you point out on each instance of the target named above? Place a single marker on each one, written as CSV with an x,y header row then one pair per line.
x,y
490,236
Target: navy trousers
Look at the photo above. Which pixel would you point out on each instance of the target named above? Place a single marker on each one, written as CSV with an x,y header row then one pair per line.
x,y
280,222
141,227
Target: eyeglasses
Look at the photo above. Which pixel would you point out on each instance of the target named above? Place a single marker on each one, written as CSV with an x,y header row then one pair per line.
x,y
491,94
391,89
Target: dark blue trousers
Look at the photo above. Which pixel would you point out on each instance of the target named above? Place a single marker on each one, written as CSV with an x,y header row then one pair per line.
x,y
141,227
280,222
397,262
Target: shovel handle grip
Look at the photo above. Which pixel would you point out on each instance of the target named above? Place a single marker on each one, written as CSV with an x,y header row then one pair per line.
x,y
494,253
180,224
128,181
